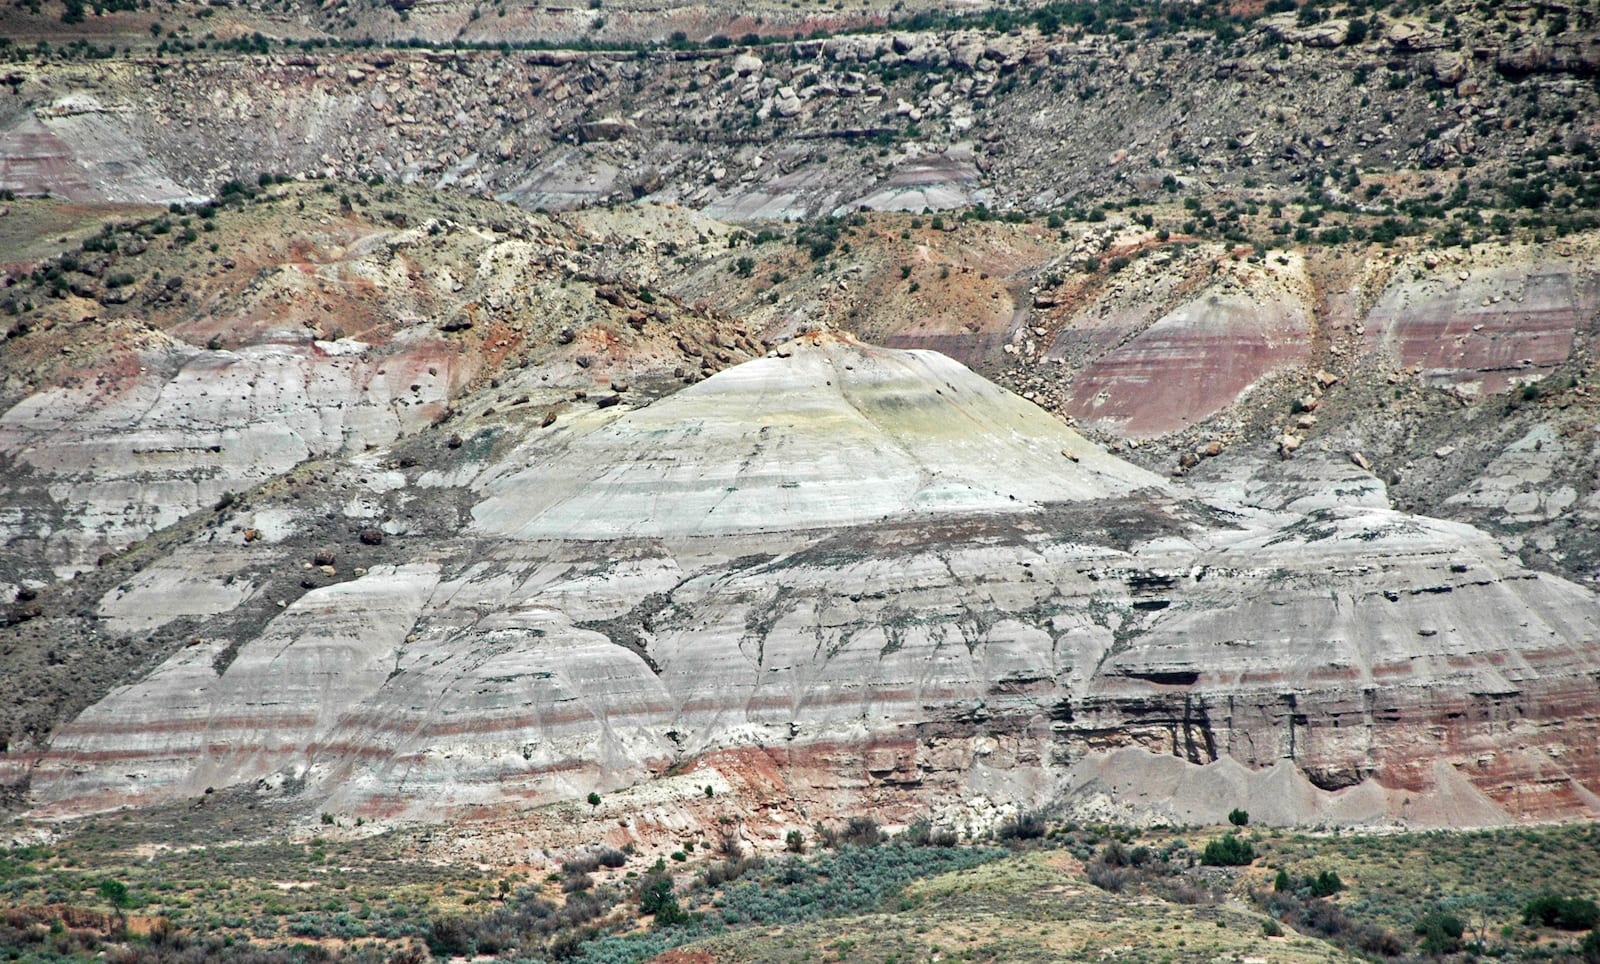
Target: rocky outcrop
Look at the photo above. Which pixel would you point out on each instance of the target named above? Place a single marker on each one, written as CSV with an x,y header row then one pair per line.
x,y
1250,325
124,459
1481,328
1015,119
77,148
324,333
1573,53
842,572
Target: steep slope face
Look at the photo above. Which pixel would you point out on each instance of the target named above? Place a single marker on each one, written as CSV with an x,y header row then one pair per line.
x,y
76,148
822,440
845,576
166,367
1253,323
905,120
1464,377
167,375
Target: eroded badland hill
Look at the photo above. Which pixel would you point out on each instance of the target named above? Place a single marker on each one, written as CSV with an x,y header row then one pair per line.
x,y
440,415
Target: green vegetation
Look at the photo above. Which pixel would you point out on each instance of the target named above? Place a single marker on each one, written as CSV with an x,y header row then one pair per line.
x,y
202,899
115,893
1567,913
1325,884
1229,851
1123,19
161,889
1440,931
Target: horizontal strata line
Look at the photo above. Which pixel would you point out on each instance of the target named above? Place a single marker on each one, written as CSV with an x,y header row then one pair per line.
x,y
184,754
81,728
402,723
221,751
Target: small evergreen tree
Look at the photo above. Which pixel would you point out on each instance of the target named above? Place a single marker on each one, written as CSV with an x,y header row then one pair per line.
x,y
1230,851
1326,884
1440,932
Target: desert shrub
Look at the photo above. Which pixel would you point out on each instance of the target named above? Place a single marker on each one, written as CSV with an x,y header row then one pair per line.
x,y
916,833
943,837
849,880
1024,826
573,882
726,871
573,944
1180,890
1325,884
1330,921
861,832
1111,878
921,833
1238,817
581,864
656,897
1440,932
1118,868
1229,851
1566,913
451,937
520,928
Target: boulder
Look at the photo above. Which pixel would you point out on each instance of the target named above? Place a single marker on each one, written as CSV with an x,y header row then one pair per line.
x,y
605,129
1449,67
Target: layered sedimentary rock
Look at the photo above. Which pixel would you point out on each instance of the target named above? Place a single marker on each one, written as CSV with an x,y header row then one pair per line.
x,y
778,129
324,332
78,149
1223,343
846,574
144,445
1483,329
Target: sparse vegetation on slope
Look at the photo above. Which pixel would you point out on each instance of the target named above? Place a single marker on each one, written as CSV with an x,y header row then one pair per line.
x,y
155,888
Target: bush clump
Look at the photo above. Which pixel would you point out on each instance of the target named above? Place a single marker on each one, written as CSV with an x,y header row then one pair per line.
x,y
1440,931
861,832
1325,884
1230,851
1024,826
1564,913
